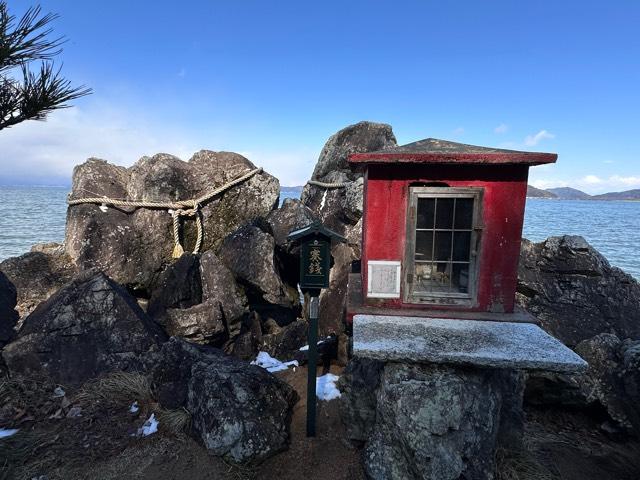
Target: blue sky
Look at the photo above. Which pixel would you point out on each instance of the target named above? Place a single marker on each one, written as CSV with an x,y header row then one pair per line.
x,y
274,79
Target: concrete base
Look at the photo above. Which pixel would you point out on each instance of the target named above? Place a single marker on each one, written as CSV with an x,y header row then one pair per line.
x,y
461,342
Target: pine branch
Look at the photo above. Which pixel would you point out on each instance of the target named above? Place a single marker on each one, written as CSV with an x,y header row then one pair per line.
x,y
26,41
37,95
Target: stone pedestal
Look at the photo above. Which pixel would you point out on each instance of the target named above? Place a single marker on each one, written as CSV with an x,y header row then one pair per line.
x,y
434,398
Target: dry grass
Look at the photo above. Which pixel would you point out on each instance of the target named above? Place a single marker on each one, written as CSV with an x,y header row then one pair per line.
x,y
118,388
521,465
175,421
23,447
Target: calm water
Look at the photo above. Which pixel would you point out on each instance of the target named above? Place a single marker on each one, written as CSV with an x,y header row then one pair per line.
x,y
37,214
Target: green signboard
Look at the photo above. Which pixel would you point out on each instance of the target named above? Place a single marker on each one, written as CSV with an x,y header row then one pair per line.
x,y
315,258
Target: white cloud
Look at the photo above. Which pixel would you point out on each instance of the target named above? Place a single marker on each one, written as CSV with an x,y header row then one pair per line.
x,y
591,180
458,131
46,152
502,128
591,184
545,183
631,181
50,149
532,140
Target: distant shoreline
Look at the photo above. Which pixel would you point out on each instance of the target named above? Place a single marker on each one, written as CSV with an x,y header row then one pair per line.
x,y
555,199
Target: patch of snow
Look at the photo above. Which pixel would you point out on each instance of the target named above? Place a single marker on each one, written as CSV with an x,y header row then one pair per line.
x,y
58,392
149,427
306,347
7,432
271,364
134,407
326,387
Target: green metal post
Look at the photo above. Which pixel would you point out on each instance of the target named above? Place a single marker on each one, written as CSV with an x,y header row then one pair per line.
x,y
312,366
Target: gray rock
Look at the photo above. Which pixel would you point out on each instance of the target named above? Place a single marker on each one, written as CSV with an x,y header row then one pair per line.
x,y
38,274
179,286
90,326
286,341
613,377
134,245
8,314
292,215
220,288
197,298
249,254
612,382
359,385
358,138
550,388
434,421
333,300
248,343
239,411
575,293
340,207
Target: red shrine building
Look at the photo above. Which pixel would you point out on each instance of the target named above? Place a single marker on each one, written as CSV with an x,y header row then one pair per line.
x,y
441,230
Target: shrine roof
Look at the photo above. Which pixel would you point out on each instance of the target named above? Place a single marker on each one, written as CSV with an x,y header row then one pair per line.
x,y
433,150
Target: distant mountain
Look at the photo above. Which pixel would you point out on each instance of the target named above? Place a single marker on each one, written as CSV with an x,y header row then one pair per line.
x,y
626,195
568,193
533,192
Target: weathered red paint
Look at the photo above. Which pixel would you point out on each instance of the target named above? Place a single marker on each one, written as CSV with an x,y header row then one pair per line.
x,y
388,177
528,158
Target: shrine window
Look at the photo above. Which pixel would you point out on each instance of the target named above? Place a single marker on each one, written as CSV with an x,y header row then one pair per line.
x,y
443,242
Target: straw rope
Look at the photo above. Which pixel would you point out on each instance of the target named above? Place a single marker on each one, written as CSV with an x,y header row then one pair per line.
x,y
181,208
328,185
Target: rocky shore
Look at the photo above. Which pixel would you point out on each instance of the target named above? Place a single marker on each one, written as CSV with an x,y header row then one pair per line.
x,y
111,318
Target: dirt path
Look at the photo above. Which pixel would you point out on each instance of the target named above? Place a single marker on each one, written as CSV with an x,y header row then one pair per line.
x,y
328,456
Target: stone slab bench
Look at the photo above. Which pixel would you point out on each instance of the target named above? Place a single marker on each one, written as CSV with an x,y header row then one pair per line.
x,y
464,342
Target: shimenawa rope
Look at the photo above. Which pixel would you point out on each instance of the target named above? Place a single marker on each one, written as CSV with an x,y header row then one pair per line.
x,y
182,208
328,185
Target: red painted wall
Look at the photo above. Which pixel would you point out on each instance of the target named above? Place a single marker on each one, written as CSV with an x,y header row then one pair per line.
x,y
385,212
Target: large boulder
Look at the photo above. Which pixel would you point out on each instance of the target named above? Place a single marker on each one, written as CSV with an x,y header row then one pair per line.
x,y
575,293
8,314
38,274
238,411
134,245
340,209
613,378
358,138
197,298
433,421
359,386
249,253
291,215
90,326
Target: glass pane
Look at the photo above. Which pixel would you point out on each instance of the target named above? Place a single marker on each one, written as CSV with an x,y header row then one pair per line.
x,y
432,277
461,246
444,213
424,245
464,213
443,246
460,278
426,207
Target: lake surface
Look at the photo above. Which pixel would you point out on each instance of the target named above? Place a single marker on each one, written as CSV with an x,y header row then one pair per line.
x,y
31,215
